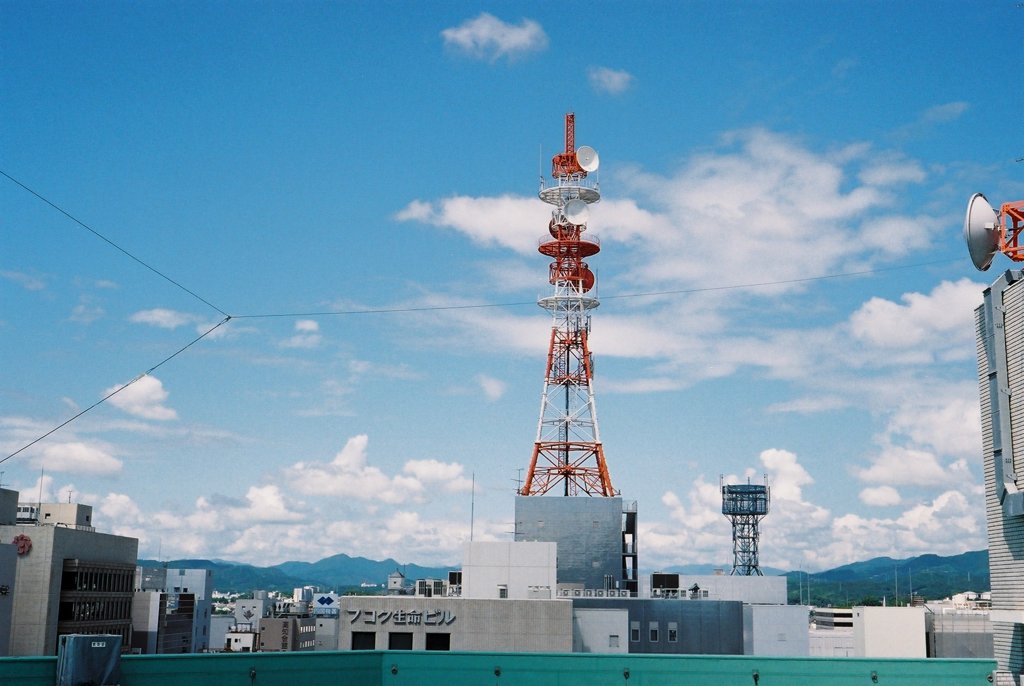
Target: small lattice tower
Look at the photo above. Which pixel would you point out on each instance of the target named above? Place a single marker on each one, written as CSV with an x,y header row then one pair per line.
x,y
745,505
568,450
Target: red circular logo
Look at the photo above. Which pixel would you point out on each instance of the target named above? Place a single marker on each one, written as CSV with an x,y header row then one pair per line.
x,y
23,543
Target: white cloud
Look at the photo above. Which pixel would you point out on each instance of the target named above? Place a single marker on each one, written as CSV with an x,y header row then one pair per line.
x,y
306,335
788,477
487,37
86,311
611,81
904,466
880,496
505,221
162,318
349,475
945,315
145,398
493,388
947,112
264,504
809,405
26,281
78,457
887,173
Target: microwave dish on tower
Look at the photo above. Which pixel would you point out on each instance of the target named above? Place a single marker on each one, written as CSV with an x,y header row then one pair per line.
x,y
587,158
576,212
987,231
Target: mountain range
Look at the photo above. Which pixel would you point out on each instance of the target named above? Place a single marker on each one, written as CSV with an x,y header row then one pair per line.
x,y
869,582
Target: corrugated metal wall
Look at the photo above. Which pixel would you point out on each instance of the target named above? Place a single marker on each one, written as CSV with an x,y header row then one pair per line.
x,y
1004,320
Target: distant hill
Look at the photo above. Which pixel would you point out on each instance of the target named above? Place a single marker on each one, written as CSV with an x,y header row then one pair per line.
x,y
858,583
338,572
704,569
867,583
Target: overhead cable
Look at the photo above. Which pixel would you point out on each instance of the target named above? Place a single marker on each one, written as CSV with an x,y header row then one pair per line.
x,y
113,244
117,390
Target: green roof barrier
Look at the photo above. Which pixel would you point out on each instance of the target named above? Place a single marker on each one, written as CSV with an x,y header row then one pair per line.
x,y
412,668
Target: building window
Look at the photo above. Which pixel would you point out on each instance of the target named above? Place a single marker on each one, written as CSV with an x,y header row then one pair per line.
x,y
503,591
364,640
439,642
673,632
653,627
400,640
613,640
634,632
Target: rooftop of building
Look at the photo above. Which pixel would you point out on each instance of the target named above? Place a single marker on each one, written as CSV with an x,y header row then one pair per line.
x,y
409,668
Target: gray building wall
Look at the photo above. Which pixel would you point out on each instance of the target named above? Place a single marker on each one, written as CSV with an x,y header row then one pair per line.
x,y
603,630
8,570
959,634
8,506
776,630
38,578
540,626
327,627
1000,344
681,627
147,609
588,532
219,626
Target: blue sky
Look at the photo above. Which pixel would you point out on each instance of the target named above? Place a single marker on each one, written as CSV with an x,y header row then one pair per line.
x,y
298,159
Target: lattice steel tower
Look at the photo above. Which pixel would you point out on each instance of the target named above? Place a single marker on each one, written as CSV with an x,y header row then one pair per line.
x,y
568,447
745,505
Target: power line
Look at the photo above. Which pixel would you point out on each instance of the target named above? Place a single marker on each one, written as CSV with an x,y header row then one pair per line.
x,y
112,243
648,294
117,390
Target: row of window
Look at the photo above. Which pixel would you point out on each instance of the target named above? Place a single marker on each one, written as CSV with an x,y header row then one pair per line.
x,y
654,633
97,579
400,640
94,610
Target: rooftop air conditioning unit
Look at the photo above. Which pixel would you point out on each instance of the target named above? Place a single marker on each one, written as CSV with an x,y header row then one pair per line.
x,y
88,660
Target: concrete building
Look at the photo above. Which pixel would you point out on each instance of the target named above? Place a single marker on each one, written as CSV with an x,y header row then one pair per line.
x,y
999,327
288,633
220,625
776,630
515,570
161,628
327,628
708,627
889,632
182,595
411,623
600,630
68,577
958,633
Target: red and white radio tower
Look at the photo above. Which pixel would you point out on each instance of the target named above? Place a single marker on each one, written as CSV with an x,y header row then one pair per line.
x,y
568,447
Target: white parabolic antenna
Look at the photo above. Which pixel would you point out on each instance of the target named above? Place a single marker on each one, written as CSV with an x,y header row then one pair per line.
x,y
981,231
576,212
587,158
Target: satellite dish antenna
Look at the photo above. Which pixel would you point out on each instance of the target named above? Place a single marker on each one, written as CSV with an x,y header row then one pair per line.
x,y
981,231
576,212
588,279
587,158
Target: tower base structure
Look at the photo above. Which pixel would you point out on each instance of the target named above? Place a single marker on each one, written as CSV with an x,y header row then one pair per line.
x,y
596,538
